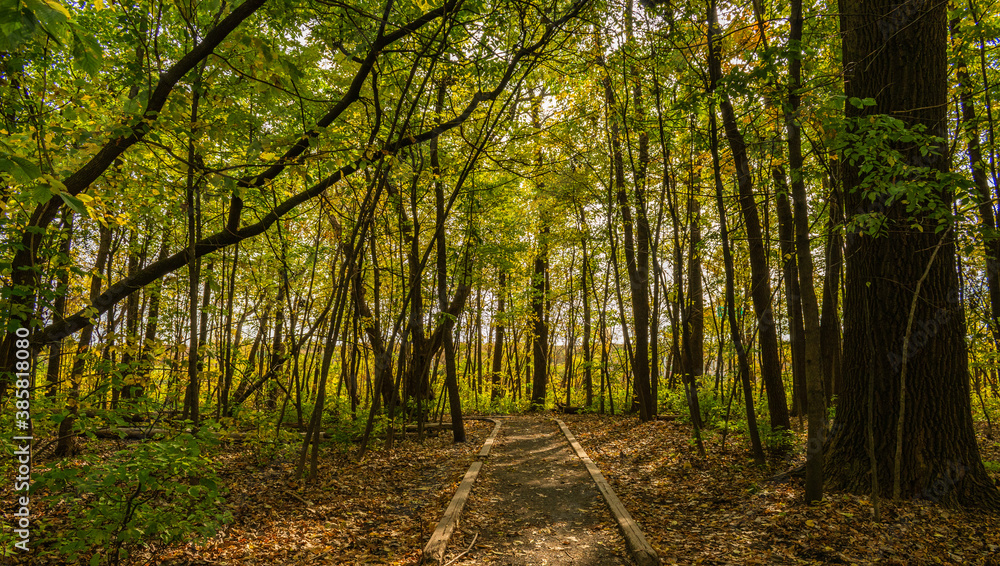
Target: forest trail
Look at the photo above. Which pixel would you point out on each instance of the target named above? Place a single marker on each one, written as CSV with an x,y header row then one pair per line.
x,y
534,503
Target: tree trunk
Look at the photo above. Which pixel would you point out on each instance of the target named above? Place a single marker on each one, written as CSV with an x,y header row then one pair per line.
x,y
231,348
636,249
498,319
759,272
451,371
810,308
193,203
130,387
735,335
991,243
829,322
694,333
59,306
277,357
790,275
588,352
540,332
902,65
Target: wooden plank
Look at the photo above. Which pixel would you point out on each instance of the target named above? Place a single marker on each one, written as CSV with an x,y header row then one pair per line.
x,y
434,551
642,552
488,445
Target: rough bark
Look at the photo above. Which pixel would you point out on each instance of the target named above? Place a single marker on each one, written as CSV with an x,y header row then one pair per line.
x,y
901,63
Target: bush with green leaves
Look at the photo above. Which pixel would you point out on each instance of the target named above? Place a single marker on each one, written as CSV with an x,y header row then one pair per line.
x,y
712,408
898,165
154,492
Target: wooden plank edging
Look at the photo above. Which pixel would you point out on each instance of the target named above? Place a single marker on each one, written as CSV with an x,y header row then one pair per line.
x,y
434,551
642,552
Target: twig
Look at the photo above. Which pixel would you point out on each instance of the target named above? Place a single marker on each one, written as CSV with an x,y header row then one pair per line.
x,y
299,497
452,561
898,459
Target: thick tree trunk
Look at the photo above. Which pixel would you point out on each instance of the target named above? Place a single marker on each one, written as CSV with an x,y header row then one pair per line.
x,y
902,65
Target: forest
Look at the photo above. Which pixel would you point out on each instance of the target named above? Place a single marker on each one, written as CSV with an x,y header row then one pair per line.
x,y
273,271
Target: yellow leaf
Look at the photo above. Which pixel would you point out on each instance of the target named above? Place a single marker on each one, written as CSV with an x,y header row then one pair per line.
x,y
57,7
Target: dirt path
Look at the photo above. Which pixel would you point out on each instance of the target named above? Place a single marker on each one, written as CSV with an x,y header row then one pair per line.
x,y
534,503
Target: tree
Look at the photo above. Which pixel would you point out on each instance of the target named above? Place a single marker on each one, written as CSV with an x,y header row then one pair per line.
x,y
760,289
807,293
904,322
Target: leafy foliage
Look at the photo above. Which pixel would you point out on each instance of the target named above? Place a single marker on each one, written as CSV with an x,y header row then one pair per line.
x,y
152,493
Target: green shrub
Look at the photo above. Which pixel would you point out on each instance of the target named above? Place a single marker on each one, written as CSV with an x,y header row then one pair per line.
x,y
153,492
778,440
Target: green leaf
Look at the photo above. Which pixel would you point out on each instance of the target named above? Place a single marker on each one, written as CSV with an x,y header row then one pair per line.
x,y
87,54
74,203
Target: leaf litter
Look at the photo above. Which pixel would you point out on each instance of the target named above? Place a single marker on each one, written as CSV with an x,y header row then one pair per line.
x,y
718,511
725,511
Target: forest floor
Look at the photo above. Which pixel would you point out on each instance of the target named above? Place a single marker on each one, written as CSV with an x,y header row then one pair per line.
x,y
724,510
535,503
721,510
